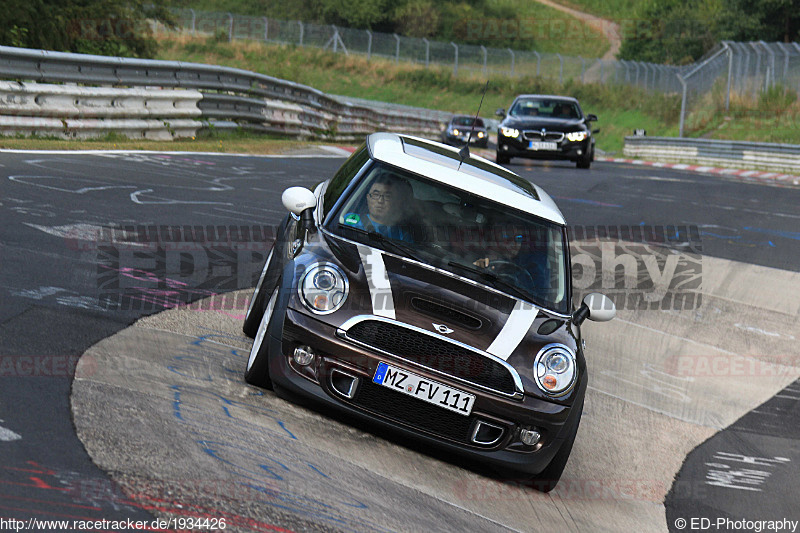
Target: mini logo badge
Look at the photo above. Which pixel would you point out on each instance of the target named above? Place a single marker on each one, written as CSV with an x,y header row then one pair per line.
x,y
441,328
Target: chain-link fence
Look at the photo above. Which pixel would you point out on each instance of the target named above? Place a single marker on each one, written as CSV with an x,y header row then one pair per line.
x,y
740,70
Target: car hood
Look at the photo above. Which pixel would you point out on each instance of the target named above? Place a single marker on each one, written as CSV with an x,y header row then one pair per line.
x,y
451,306
538,123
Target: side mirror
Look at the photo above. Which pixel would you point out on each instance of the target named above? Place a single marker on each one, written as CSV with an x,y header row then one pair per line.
x,y
500,112
300,202
597,307
591,117
298,199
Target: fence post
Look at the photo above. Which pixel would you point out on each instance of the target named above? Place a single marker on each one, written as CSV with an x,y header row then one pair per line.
x,y
770,81
510,51
194,16
427,52
758,63
230,27
266,28
730,73
369,45
483,48
602,65
683,104
335,39
455,62
396,48
797,46
560,68
302,30
583,67
538,63
785,51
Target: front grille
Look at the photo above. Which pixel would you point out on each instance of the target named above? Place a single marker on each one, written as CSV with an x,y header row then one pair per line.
x,y
434,353
533,135
413,412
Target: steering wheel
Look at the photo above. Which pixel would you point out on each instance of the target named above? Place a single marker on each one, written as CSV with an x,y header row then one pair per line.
x,y
511,272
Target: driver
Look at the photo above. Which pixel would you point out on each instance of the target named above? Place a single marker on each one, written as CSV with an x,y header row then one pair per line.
x,y
503,257
388,199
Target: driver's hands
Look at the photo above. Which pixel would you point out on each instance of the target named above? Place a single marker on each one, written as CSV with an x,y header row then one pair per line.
x,y
483,262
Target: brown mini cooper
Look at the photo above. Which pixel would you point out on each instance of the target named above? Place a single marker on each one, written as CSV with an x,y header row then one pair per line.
x,y
430,294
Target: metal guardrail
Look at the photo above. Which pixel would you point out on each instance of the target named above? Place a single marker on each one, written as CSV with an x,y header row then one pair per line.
x,y
228,94
708,152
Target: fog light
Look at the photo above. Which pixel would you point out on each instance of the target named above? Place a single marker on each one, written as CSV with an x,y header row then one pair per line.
x,y
529,436
580,152
303,355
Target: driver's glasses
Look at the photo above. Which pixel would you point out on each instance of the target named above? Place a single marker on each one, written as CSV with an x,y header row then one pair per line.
x,y
377,196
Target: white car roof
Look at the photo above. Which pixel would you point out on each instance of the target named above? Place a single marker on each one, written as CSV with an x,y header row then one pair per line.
x,y
477,175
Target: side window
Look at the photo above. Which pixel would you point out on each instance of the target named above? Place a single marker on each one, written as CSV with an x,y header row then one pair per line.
x,y
343,177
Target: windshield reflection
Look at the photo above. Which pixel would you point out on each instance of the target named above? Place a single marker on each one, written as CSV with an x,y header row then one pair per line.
x,y
465,234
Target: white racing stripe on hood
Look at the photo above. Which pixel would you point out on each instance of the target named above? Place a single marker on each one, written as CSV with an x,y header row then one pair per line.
x,y
380,291
516,327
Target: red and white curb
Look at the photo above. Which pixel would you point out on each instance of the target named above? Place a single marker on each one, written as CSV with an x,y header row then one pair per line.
x,y
735,172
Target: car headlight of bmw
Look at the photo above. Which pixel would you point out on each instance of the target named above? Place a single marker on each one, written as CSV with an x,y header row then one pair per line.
x,y
509,132
455,131
577,136
555,369
323,288
481,135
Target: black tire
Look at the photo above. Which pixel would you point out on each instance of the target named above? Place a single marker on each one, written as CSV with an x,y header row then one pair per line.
x,y
257,370
584,161
502,159
548,478
258,302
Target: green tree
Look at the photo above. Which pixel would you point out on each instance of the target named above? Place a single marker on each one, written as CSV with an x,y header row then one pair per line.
x,y
103,27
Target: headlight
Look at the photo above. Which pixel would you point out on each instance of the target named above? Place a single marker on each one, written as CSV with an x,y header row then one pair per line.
x,y
455,131
576,136
509,132
555,369
481,135
323,288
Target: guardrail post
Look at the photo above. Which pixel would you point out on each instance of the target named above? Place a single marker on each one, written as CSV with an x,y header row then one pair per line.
x,y
369,45
230,27
510,51
396,48
538,63
194,17
483,48
266,28
455,62
427,52
302,30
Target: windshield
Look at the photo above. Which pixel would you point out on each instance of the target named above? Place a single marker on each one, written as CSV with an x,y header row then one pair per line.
x,y
514,252
467,121
546,108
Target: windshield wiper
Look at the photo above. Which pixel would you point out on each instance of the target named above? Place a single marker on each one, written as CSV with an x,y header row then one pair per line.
x,y
495,280
404,250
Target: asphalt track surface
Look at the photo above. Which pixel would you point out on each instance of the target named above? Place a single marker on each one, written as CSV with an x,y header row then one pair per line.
x,y
737,460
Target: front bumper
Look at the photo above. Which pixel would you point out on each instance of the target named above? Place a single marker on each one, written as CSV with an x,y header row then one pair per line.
x,y
566,150
337,357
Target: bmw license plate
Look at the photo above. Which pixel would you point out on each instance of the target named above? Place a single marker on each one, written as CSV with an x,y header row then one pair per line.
x,y
539,145
424,389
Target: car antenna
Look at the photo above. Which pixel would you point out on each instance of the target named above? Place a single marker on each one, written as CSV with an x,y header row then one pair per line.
x,y
464,152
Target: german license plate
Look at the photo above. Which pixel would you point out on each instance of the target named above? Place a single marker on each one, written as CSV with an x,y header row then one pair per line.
x,y
424,389
539,145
